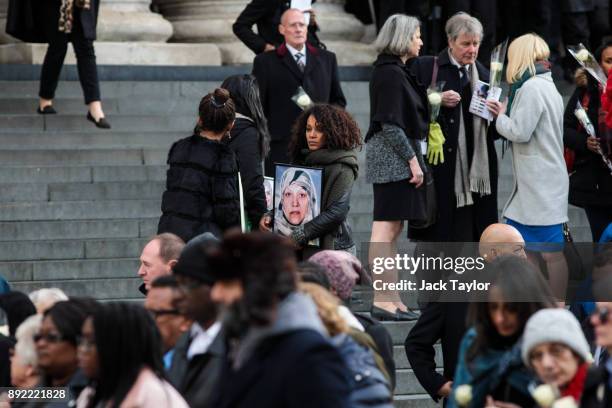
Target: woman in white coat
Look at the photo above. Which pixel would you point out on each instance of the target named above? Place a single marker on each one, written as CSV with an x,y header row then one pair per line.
x,y
532,120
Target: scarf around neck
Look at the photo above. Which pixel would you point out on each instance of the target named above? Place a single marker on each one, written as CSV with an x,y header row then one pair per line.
x,y
541,67
476,178
66,13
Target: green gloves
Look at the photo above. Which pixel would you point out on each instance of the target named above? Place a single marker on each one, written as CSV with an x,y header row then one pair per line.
x,y
435,140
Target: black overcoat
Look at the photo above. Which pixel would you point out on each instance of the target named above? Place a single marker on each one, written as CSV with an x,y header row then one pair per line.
x,y
37,21
485,207
444,322
279,77
244,142
397,98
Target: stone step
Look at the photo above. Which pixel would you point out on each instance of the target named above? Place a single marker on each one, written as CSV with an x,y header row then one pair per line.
x,y
122,288
79,210
71,269
71,249
80,140
76,174
107,191
407,383
112,89
80,229
415,401
134,123
111,106
398,331
120,156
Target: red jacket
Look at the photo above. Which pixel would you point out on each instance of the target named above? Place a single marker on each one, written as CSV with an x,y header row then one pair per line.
x,y
606,101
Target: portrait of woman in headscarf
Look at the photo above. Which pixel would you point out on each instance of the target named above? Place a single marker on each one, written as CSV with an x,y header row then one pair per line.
x,y
296,200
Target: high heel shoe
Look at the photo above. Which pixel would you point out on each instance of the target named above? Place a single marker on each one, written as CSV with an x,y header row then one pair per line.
x,y
47,110
101,123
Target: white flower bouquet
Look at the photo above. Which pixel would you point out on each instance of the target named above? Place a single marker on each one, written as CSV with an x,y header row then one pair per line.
x,y
588,62
434,97
498,56
302,99
585,122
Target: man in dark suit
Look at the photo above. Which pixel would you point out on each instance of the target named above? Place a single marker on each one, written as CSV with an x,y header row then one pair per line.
x,y
266,14
281,72
466,182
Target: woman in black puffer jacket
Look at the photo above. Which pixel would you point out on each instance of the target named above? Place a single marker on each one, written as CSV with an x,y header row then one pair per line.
x,y
250,141
202,181
590,179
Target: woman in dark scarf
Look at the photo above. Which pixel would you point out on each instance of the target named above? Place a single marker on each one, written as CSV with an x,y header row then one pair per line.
x,y
490,354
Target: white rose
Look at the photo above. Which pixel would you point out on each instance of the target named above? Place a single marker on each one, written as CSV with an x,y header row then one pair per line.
x,y
434,98
581,115
496,66
544,395
566,402
582,55
304,100
463,395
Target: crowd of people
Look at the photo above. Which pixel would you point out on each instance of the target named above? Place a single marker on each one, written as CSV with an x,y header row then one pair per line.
x,y
241,322
247,319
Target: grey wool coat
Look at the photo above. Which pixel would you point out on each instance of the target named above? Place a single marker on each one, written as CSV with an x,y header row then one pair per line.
x,y
535,128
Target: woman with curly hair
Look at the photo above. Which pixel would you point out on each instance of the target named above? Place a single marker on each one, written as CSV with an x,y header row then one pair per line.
x,y
327,137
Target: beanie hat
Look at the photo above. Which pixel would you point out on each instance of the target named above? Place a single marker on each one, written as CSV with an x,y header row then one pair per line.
x,y
193,261
342,269
554,326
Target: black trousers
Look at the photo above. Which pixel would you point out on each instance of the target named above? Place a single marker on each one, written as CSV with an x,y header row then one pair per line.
x,y
599,219
86,63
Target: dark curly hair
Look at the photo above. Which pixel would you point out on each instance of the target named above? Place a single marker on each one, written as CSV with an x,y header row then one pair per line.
x,y
340,129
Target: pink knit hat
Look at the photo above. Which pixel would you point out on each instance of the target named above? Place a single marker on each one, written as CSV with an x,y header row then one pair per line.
x,y
343,270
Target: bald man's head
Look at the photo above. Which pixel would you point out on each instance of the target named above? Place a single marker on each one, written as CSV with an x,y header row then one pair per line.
x,y
501,239
293,28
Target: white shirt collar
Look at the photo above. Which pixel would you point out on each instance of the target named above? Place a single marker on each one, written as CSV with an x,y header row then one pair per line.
x,y
201,339
455,63
293,51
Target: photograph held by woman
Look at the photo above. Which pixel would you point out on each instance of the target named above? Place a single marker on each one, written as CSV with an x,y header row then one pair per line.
x,y
202,180
327,137
399,123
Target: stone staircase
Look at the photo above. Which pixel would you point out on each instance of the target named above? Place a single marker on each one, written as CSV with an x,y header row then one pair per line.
x,y
77,204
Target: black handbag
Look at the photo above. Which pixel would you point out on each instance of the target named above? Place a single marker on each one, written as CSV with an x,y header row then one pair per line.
x,y
429,203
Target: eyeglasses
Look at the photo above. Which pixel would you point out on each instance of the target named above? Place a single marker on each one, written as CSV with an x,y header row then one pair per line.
x,y
603,314
49,337
161,312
